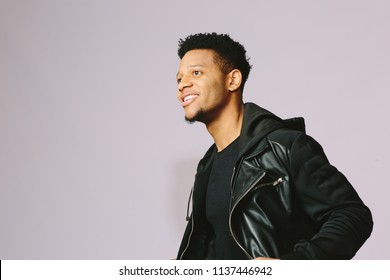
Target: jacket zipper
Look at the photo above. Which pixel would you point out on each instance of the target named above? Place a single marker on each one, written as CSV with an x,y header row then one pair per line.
x,y
273,184
192,222
189,238
278,181
234,206
188,205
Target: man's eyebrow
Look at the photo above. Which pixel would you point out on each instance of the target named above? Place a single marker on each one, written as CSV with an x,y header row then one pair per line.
x,y
195,65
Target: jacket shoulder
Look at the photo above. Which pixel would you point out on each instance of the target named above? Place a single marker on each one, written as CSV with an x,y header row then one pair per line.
x,y
287,137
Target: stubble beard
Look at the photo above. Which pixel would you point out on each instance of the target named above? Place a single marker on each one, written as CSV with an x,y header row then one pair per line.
x,y
205,115
199,117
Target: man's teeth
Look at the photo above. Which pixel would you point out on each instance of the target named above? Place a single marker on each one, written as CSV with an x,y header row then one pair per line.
x,y
188,97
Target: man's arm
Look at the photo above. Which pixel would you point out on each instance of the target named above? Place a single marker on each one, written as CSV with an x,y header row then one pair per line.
x,y
330,200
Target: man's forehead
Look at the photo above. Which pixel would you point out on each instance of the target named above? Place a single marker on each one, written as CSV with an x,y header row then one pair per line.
x,y
196,66
194,56
198,58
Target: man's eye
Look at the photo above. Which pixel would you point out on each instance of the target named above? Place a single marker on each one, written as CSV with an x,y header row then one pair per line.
x,y
178,81
196,73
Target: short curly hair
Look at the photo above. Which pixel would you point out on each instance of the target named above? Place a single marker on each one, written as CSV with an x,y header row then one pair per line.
x,y
229,53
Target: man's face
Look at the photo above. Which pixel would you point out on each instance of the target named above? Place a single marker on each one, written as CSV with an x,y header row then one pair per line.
x,y
202,86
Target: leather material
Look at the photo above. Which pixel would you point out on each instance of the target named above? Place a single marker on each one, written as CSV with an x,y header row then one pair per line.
x,y
287,200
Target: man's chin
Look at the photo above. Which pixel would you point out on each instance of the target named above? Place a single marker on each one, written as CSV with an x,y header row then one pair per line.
x,y
196,118
190,120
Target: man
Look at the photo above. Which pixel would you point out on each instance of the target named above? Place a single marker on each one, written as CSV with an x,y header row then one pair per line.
x,y
264,189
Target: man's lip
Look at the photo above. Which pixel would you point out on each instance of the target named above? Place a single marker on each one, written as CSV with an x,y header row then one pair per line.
x,y
187,102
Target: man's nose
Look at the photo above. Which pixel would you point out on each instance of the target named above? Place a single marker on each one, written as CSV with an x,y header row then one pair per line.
x,y
184,82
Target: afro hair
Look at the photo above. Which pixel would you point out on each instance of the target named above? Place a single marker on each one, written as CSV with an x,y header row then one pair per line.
x,y
229,53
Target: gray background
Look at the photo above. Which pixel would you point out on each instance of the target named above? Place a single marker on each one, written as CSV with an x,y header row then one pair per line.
x,y
96,160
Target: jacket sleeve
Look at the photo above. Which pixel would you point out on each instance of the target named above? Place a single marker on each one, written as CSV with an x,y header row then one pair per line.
x,y
325,194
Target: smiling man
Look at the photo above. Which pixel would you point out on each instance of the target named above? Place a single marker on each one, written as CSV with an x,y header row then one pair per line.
x,y
264,189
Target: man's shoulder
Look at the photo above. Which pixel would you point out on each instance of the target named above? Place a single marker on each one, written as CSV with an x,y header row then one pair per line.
x,y
294,140
287,136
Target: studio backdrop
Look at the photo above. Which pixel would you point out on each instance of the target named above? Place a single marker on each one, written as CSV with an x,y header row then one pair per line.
x,y
96,160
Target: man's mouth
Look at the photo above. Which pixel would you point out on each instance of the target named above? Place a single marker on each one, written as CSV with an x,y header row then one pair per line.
x,y
188,99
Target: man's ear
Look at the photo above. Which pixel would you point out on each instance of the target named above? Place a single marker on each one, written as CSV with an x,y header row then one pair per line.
x,y
235,80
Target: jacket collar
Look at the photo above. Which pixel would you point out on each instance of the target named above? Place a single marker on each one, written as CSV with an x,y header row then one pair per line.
x,y
257,123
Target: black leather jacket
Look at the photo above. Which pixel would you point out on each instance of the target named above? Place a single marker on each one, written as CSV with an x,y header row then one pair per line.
x,y
287,201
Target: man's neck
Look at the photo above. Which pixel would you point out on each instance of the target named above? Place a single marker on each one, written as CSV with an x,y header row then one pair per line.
x,y
227,127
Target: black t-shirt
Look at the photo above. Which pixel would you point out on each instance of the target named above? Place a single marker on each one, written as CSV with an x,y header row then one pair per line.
x,y
218,198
